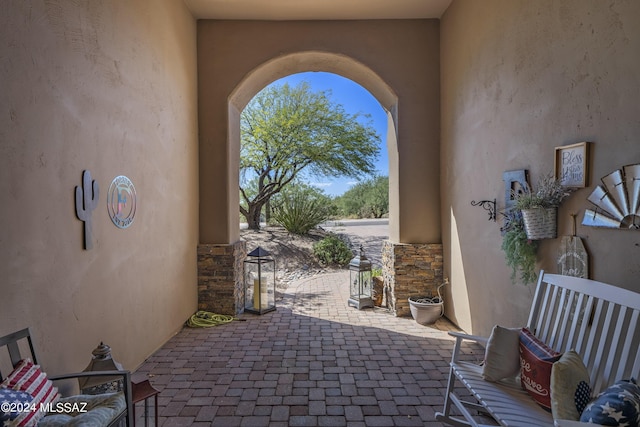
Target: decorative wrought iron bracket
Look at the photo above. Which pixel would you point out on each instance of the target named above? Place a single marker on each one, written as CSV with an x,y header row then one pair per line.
x,y
487,205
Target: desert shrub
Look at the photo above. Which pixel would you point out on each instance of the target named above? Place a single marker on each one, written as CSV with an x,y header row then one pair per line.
x,y
332,250
300,209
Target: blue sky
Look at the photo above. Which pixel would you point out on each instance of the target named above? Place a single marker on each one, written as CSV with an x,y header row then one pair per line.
x,y
355,99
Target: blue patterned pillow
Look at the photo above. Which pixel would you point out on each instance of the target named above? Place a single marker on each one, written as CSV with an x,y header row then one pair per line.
x,y
619,405
13,403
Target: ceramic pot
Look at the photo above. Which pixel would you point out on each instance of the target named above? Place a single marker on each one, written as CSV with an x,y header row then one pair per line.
x,y
426,311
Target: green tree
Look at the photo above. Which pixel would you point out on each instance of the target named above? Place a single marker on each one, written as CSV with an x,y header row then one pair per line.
x,y
287,131
376,198
366,199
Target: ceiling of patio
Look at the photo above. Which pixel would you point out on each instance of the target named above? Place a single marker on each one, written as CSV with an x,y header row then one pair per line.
x,y
283,10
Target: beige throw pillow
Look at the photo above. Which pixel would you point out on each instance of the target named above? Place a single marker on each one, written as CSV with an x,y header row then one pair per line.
x,y
502,355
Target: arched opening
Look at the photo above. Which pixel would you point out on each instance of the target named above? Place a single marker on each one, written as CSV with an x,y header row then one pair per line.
x,y
314,61
350,104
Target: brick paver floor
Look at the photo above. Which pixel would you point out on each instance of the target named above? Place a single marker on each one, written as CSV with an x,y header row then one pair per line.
x,y
314,361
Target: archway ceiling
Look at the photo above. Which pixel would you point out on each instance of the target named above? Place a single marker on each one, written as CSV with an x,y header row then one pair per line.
x,y
284,10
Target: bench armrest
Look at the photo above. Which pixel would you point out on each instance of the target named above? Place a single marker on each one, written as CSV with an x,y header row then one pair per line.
x,y
124,374
459,336
463,336
570,423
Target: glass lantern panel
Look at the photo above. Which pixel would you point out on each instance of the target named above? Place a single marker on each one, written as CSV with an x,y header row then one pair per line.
x,y
360,285
259,285
365,278
354,287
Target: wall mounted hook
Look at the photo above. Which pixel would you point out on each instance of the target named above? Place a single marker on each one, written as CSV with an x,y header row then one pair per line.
x,y
487,205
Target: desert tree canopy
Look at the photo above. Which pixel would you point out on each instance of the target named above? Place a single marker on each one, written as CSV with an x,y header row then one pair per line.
x,y
287,132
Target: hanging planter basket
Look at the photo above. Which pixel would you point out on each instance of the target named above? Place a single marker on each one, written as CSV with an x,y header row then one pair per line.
x,y
540,223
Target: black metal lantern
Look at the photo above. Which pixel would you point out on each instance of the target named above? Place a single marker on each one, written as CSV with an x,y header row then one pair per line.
x,y
360,281
259,282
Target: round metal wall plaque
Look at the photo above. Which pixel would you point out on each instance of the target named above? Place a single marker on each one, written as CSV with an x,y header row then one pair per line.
x,y
121,201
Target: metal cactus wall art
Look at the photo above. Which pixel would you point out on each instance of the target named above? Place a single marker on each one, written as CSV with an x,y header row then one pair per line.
x,y
86,201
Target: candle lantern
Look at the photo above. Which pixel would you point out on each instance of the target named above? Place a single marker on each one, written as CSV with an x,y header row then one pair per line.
x,y
259,282
101,360
360,281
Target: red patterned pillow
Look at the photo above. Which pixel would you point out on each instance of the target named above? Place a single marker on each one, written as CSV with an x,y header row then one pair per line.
x,y
29,378
536,361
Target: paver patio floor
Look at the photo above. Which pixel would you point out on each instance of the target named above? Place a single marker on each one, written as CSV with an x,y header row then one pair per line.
x,y
314,361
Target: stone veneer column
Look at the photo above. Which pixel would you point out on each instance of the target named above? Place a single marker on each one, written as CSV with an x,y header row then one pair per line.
x,y
410,270
220,278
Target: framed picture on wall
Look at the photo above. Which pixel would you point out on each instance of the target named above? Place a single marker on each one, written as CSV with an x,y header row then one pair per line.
x,y
571,165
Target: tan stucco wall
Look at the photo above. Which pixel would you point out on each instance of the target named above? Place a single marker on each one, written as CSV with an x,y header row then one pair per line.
x,y
392,59
109,87
519,78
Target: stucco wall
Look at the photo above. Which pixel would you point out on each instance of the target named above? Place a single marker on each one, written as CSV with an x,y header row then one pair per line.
x,y
402,54
519,78
109,87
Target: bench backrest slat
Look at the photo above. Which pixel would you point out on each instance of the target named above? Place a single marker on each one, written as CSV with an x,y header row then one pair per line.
x,y
595,313
628,342
558,301
576,334
12,344
618,331
636,365
602,354
549,305
598,320
564,321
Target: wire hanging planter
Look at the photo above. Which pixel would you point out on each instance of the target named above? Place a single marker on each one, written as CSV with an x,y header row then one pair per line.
x,y
540,223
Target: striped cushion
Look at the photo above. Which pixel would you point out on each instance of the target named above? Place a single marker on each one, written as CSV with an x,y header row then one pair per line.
x,y
536,361
29,378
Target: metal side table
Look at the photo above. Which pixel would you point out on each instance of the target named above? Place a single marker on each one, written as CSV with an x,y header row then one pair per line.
x,y
144,391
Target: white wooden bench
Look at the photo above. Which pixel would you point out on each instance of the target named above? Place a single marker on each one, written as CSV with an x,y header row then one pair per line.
x,y
597,320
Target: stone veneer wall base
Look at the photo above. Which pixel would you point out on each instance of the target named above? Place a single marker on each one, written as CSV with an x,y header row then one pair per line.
x,y
410,270
220,278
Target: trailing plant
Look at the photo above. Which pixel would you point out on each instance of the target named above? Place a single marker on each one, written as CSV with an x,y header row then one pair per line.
x,y
332,250
549,193
520,251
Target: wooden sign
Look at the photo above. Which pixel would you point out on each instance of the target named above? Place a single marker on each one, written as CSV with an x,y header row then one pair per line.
x,y
573,259
571,165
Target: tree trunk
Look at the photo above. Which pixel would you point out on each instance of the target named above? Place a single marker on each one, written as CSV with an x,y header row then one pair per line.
x,y
253,219
267,212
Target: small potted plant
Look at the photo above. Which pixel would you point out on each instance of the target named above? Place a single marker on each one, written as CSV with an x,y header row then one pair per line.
x,y
539,208
378,286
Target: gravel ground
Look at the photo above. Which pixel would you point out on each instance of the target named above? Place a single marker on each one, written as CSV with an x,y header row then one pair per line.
x,y
294,254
